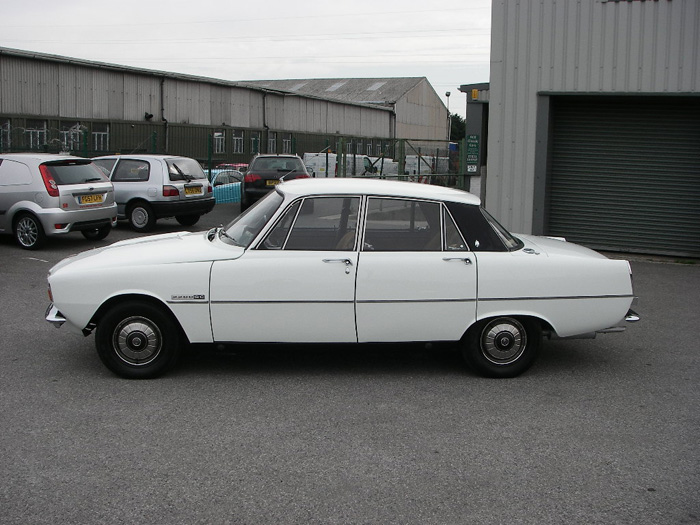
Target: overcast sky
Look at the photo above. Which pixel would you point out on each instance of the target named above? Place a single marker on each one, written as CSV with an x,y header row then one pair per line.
x,y
447,42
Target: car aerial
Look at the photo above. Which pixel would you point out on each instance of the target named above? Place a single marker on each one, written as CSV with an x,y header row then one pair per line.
x,y
266,171
227,186
151,187
45,195
342,261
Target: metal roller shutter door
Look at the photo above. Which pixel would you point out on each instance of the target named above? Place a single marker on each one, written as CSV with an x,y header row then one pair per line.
x,y
625,173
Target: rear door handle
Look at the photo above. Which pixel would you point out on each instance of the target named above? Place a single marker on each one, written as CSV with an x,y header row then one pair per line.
x,y
466,260
347,262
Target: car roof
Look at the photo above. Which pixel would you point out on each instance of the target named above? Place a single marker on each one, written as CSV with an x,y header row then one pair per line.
x,y
141,156
39,157
367,186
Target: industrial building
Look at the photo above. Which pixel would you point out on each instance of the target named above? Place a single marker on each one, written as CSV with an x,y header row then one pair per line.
x,y
590,126
55,103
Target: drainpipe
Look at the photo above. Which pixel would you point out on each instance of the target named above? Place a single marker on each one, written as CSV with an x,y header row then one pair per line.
x,y
162,113
266,128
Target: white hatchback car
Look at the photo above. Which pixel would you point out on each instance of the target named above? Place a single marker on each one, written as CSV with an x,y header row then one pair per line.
x,y
44,195
151,187
342,261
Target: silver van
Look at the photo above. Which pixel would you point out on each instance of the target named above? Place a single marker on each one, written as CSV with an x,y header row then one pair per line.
x,y
150,187
47,195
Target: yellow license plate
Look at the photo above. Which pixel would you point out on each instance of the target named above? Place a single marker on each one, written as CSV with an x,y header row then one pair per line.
x,y
91,199
272,182
194,190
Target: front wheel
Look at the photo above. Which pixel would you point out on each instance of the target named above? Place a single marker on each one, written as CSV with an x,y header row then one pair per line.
x,y
503,346
138,340
187,220
98,233
29,233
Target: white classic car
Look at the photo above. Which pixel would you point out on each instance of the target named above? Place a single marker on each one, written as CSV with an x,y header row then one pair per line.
x,y
339,261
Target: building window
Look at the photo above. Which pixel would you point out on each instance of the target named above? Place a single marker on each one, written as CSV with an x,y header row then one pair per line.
x,y
237,141
5,136
379,149
220,141
100,136
255,142
287,143
36,134
369,149
358,147
70,136
271,142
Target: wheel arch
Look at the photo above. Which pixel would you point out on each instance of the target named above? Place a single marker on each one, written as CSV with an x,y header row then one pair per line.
x,y
147,299
544,324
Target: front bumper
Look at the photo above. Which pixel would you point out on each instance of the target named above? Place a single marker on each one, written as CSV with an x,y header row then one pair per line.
x,y
54,317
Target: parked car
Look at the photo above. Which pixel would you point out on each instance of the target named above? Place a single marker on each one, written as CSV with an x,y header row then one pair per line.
x,y
227,186
151,187
266,171
45,195
342,261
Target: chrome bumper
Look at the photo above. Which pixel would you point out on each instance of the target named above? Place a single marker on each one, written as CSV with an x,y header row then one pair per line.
x,y
54,317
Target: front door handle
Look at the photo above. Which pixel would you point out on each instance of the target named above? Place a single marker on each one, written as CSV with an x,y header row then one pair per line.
x,y
347,262
466,260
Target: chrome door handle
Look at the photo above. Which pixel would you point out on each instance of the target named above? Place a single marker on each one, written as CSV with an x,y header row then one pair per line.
x,y
466,260
347,262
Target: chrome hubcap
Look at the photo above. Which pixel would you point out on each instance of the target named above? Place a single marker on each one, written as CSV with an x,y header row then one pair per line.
x,y
503,341
137,341
27,231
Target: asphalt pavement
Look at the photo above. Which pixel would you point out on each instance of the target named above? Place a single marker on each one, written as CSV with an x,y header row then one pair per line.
x,y
598,431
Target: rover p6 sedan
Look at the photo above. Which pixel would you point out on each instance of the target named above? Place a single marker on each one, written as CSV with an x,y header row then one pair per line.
x,y
342,261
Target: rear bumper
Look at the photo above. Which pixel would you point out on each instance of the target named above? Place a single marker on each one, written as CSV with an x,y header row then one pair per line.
x,y
59,222
191,207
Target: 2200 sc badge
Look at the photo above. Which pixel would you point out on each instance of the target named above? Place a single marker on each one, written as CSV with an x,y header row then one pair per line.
x,y
342,261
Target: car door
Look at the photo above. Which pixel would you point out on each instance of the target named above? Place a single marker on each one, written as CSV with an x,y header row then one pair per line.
x,y
416,278
298,284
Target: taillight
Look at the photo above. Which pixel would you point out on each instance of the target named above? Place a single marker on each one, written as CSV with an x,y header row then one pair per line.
x,y
251,177
170,191
49,181
210,189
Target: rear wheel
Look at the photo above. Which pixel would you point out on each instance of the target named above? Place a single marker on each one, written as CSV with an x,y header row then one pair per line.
x,y
138,340
28,232
141,217
503,346
187,220
97,234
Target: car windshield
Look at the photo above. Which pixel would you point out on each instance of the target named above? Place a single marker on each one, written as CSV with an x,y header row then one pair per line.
x,y
512,243
75,172
246,227
184,169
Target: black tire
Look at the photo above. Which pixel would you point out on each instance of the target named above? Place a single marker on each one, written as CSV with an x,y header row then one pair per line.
x,y
98,233
502,346
138,340
141,217
29,233
187,220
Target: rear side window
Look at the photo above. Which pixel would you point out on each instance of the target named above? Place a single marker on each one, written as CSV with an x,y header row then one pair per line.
x,y
129,170
185,169
75,172
14,173
402,225
105,165
479,232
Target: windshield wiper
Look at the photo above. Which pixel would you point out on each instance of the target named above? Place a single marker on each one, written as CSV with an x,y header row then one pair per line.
x,y
222,233
188,178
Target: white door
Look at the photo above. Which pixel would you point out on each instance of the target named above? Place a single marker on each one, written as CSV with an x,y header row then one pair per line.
x,y
416,279
298,285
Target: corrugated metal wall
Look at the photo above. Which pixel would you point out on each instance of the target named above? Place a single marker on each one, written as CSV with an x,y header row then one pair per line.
x,y
54,89
578,47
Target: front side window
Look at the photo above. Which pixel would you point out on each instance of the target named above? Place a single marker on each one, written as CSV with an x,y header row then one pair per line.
x,y
317,224
130,170
242,230
402,225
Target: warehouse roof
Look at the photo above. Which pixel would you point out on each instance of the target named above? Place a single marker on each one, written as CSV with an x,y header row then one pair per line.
x,y
377,91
